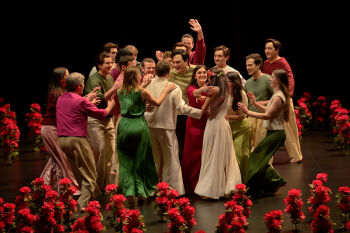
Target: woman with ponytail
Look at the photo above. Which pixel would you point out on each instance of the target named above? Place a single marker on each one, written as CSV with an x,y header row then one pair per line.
x,y
262,179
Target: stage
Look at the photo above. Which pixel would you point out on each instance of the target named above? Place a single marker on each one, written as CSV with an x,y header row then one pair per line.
x,y
320,155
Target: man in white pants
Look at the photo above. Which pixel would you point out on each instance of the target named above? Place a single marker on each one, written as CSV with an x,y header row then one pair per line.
x,y
162,123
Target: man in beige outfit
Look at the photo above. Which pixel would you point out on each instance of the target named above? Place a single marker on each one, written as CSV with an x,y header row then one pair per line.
x,y
162,123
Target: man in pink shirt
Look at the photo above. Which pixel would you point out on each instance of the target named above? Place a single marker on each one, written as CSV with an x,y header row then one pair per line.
x,y
197,56
273,62
72,111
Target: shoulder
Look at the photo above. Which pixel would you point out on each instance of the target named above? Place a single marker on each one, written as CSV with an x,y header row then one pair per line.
x,y
265,77
191,68
94,78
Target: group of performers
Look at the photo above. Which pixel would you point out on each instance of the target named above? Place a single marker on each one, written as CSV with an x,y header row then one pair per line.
x,y
200,130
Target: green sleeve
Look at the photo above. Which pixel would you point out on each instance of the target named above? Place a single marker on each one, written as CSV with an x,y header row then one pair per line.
x,y
91,84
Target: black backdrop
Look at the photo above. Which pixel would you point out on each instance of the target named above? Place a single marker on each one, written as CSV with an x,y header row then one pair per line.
x,y
37,38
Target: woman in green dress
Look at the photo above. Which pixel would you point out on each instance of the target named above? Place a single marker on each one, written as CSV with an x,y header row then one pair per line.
x,y
262,179
239,122
137,171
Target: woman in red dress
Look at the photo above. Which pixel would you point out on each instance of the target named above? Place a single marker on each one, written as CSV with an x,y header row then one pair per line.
x,y
192,153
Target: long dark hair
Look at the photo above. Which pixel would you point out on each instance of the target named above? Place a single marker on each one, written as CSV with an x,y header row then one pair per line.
x,y
236,89
193,79
282,77
55,87
219,79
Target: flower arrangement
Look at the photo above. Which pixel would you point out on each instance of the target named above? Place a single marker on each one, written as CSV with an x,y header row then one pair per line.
x,y
233,220
9,132
334,106
240,197
321,220
66,197
181,215
304,115
34,118
343,200
115,207
320,110
162,199
273,221
133,222
342,129
7,216
40,209
91,222
320,194
294,205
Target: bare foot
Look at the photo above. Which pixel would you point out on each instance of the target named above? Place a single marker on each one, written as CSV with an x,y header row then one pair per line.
x,y
293,160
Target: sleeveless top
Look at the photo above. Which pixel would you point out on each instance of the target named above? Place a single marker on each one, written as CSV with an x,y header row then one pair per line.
x,y
276,123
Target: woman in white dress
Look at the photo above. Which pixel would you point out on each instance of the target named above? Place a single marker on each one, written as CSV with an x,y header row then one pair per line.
x,y
219,172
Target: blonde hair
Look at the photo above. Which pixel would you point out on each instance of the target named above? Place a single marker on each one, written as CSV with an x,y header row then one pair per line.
x,y
130,80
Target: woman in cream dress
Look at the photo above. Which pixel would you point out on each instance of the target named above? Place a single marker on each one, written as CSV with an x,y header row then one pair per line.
x,y
219,171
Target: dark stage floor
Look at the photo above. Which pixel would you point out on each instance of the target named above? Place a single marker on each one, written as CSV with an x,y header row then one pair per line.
x,y
320,155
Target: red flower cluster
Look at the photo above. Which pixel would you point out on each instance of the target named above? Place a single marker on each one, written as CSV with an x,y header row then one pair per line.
x,y
233,220
9,132
162,198
320,109
343,201
302,112
347,226
335,105
179,211
121,218
242,199
91,222
294,205
34,118
39,208
7,216
320,194
133,222
321,220
273,221
181,215
117,211
340,125
66,197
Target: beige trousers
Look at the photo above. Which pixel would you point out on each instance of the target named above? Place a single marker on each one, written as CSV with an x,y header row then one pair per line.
x,y
292,139
166,157
82,162
58,166
101,137
257,132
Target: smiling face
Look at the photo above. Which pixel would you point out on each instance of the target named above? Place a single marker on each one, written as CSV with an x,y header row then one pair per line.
x,y
201,76
219,58
252,68
188,43
107,66
149,68
178,63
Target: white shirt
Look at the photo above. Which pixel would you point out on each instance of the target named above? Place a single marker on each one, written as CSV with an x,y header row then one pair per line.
x,y
165,115
228,68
